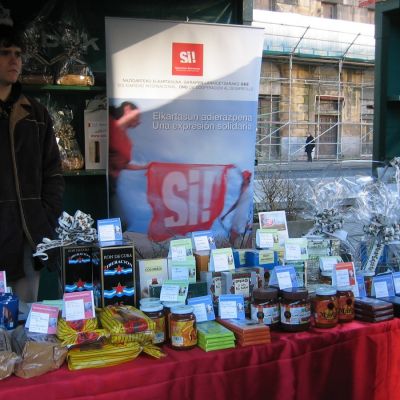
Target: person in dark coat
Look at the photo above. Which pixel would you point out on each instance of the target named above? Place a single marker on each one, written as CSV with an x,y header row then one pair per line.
x,y
31,179
309,147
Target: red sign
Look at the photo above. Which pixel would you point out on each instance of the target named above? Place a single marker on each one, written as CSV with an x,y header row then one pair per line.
x,y
187,59
184,197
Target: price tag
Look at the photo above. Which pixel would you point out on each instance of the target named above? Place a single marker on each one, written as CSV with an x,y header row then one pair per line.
x,y
180,273
220,262
39,322
74,310
342,277
228,309
381,289
178,253
292,252
200,312
284,279
266,240
169,292
201,243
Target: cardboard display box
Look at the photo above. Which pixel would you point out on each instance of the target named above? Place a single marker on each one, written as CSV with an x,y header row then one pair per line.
x,y
151,272
116,265
77,268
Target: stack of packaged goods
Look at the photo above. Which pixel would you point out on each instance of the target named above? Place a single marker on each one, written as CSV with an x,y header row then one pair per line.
x,y
213,336
373,310
247,332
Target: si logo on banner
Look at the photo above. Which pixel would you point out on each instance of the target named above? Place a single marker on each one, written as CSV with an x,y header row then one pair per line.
x,y
184,197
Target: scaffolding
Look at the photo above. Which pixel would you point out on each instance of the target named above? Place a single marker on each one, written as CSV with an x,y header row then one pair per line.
x,y
315,79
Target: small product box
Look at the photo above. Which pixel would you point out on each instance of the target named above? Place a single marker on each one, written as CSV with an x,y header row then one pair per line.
x,y
260,274
96,136
115,262
77,268
267,258
151,272
239,256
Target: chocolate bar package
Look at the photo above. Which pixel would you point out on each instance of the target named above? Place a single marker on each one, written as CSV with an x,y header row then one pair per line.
x,y
367,318
115,264
395,301
371,305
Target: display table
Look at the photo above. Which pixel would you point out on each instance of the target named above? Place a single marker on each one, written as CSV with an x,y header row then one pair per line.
x,y
354,361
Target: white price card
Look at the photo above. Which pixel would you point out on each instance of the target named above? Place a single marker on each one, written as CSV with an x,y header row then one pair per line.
x,y
74,310
342,277
178,253
39,322
180,273
266,240
200,312
169,292
228,309
381,289
284,280
201,243
220,262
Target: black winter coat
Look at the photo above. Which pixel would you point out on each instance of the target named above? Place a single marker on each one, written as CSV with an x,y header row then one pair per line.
x,y
31,182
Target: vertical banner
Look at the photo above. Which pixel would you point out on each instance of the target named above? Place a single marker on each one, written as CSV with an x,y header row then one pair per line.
x,y
183,103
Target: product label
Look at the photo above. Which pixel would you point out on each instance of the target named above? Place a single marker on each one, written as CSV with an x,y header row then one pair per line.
x,y
159,332
183,333
346,308
241,286
269,314
325,312
293,314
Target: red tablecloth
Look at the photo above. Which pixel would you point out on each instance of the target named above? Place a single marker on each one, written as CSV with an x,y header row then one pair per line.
x,y
354,361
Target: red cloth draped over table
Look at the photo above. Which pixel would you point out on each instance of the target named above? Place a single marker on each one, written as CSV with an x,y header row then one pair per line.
x,y
354,361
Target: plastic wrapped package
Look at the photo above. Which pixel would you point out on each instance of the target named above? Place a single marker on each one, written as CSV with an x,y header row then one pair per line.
x,y
81,332
378,211
8,359
36,65
73,69
70,153
39,353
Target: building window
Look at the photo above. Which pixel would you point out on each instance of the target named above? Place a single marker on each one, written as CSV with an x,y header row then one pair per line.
x,y
268,135
329,10
328,115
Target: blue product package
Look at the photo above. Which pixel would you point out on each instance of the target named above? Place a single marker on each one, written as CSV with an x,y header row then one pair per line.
x,y
8,311
263,258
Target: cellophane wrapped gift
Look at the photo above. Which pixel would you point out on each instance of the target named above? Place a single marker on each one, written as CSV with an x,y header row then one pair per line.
x,y
327,205
36,68
378,211
73,69
71,155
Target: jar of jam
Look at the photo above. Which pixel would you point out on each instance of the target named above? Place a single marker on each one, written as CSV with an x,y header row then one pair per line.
x,y
295,309
325,277
265,306
182,327
156,313
325,307
368,276
345,303
167,311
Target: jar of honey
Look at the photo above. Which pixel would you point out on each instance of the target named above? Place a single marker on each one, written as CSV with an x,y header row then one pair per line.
x,y
345,303
325,305
295,309
167,311
182,327
156,313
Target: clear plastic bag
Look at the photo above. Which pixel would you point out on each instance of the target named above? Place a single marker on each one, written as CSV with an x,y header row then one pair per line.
x,y
71,155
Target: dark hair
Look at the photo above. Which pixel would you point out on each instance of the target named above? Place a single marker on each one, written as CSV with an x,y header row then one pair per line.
x,y
9,36
118,112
